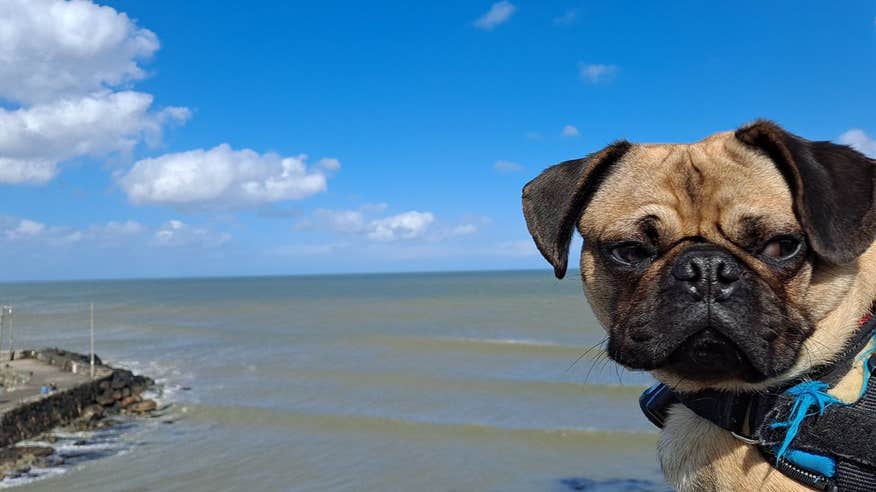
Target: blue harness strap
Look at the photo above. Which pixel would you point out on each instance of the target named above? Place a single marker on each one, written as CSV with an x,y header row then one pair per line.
x,y
821,441
803,431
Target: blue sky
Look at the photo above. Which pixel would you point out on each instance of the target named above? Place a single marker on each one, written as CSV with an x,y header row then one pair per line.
x,y
162,138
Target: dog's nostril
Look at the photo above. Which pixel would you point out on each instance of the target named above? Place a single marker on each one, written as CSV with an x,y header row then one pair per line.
x,y
727,272
688,271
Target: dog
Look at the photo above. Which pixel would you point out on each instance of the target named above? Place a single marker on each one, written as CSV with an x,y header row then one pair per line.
x,y
735,264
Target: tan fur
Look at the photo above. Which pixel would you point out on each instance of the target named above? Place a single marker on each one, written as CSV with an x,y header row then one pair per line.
x,y
704,189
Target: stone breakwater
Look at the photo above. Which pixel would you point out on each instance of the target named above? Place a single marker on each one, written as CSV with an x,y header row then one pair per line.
x,y
51,388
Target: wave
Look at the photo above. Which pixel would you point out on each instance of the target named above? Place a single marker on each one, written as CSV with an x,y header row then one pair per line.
x,y
243,416
430,382
503,345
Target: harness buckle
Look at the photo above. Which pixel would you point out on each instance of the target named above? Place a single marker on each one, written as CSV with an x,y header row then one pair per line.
x,y
746,439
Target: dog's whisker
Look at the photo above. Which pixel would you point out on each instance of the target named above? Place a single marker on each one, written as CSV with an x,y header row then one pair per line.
x,y
590,349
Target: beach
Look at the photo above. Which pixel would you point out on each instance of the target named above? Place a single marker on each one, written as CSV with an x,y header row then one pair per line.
x,y
432,381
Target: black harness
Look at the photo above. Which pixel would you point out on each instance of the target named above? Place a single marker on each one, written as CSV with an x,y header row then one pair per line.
x,y
834,448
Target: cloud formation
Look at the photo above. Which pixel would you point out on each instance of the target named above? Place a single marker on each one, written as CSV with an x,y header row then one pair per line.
x,y
222,177
407,225
33,140
53,49
62,64
597,73
570,131
112,233
860,141
499,13
175,233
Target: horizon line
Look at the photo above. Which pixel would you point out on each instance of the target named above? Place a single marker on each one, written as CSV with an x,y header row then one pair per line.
x,y
278,275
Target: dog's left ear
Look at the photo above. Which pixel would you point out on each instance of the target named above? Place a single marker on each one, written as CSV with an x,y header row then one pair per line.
x,y
834,189
553,201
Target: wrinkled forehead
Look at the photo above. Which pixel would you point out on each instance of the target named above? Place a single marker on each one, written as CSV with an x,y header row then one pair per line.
x,y
703,189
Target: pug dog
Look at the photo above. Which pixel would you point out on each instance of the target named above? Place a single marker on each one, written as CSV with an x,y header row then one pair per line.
x,y
736,263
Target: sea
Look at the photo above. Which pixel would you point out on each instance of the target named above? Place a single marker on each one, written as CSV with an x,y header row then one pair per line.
x,y
474,381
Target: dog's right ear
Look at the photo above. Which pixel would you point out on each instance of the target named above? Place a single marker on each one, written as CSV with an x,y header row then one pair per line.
x,y
834,189
554,201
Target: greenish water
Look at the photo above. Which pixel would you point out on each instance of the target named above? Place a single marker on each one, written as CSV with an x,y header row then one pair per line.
x,y
445,382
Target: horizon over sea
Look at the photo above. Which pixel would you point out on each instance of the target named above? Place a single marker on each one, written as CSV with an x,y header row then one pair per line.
x,y
444,381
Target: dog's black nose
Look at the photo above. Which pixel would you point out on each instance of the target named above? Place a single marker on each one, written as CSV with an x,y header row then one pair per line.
x,y
708,273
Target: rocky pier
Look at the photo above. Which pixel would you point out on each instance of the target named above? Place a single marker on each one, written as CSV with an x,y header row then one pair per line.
x,y
41,390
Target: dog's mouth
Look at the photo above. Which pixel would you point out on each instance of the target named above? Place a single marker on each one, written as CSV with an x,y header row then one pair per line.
x,y
709,356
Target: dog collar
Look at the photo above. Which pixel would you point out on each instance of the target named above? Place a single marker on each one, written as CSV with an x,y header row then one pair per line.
x,y
800,429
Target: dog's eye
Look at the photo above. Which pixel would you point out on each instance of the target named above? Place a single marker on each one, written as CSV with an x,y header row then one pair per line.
x,y
631,253
782,248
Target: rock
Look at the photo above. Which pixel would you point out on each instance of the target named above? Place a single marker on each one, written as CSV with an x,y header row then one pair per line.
x,y
17,460
130,400
52,461
37,451
92,412
81,442
117,395
126,392
143,406
122,378
51,438
104,385
105,398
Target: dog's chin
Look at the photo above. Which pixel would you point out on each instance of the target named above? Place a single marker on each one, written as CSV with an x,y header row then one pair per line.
x,y
710,357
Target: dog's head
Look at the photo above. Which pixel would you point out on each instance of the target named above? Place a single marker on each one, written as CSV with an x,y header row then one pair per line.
x,y
715,264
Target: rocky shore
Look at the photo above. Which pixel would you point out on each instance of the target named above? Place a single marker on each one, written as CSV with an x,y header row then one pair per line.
x,y
84,405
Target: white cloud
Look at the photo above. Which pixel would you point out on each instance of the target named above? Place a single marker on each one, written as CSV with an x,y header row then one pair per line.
x,y
569,17
175,233
507,167
570,131
597,73
407,225
15,171
329,164
62,64
127,228
34,139
222,177
860,141
53,48
23,229
20,229
499,13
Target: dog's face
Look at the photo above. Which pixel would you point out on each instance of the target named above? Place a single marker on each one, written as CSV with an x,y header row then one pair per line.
x,y
712,263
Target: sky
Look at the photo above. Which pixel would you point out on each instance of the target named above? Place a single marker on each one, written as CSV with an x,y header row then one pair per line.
x,y
207,138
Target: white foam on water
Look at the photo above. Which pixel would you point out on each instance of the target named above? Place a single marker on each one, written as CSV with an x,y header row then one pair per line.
x,y
32,475
170,381
80,447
